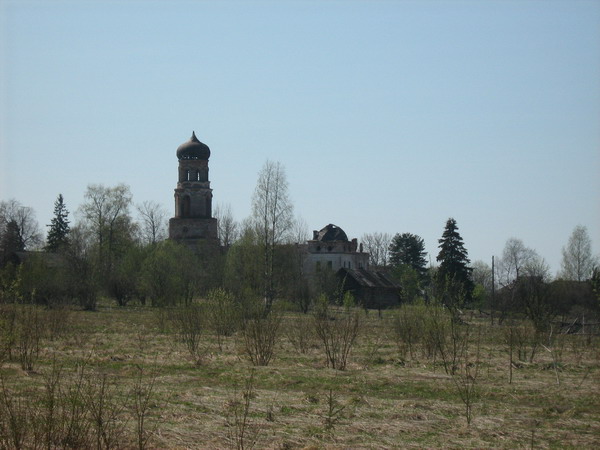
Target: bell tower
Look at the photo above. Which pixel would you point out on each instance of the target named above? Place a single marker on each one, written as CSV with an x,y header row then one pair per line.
x,y
193,222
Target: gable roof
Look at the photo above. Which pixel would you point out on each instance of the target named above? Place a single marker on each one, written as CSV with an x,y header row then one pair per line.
x,y
370,278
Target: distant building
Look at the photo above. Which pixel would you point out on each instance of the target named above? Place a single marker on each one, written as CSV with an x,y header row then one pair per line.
x,y
328,253
330,248
193,223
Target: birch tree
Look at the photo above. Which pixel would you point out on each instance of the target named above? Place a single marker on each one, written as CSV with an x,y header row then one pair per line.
x,y
577,260
272,211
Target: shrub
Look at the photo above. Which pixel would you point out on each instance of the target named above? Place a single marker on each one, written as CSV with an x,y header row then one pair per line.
x,y
261,329
188,324
337,330
29,331
299,333
224,314
408,326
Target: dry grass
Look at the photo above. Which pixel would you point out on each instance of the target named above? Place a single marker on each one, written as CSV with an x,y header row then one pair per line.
x,y
386,401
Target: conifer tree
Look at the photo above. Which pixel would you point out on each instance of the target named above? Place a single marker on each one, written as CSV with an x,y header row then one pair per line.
x,y
454,271
59,226
408,249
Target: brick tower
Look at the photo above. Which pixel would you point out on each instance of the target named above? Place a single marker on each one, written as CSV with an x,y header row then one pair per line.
x,y
193,223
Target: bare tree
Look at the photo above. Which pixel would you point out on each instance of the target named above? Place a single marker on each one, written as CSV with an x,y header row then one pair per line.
x,y
577,261
153,221
514,258
272,211
227,227
377,245
299,232
23,217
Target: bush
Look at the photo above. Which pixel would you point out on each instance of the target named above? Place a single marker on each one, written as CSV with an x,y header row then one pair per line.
x,y
299,333
188,325
337,330
261,330
408,326
224,314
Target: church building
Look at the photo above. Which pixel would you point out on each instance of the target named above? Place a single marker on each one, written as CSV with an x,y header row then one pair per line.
x,y
193,223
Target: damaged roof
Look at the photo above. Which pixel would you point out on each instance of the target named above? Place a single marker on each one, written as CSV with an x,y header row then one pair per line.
x,y
371,278
331,233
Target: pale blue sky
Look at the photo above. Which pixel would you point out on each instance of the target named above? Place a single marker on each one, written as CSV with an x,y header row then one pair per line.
x,y
388,115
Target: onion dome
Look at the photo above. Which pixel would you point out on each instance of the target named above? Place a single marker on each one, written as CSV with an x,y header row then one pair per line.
x,y
193,149
331,233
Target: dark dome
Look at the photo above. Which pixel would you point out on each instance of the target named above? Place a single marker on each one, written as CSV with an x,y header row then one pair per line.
x,y
193,149
332,233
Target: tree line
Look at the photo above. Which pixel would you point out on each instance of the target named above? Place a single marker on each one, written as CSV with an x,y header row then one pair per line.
x,y
108,252
518,281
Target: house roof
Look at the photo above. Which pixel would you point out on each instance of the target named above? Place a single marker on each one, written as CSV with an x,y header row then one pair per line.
x,y
370,278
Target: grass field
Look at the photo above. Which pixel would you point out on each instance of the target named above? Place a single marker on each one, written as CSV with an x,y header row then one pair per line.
x,y
381,400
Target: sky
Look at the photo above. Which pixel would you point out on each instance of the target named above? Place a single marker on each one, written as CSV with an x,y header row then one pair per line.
x,y
388,116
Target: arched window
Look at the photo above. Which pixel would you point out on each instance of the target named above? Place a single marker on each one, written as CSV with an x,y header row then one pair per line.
x,y
187,175
197,175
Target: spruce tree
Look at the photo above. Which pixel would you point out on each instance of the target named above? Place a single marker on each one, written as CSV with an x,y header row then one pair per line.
x,y
59,227
454,273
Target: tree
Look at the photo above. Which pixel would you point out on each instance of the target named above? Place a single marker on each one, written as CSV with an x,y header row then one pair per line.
x,y
483,281
227,227
515,257
81,280
595,282
299,231
408,249
24,220
10,242
106,215
534,294
376,244
454,273
57,237
272,211
243,274
153,222
482,275
577,260
170,275
410,281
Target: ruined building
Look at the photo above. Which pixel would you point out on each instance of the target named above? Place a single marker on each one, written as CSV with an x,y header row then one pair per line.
x,y
330,248
193,223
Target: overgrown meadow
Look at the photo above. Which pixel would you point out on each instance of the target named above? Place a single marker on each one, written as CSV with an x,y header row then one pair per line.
x,y
220,373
